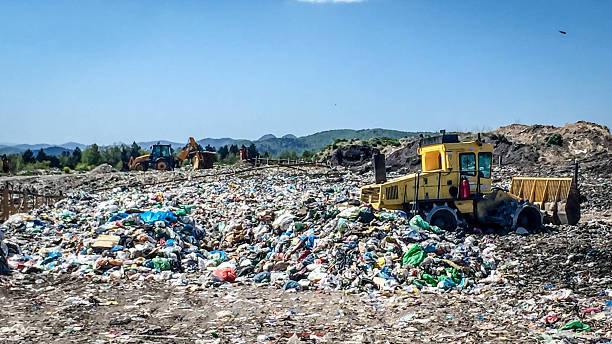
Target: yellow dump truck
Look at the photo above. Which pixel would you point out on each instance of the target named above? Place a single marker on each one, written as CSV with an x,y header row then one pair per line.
x,y
454,186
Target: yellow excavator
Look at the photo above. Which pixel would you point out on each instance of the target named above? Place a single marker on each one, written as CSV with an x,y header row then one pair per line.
x,y
453,188
161,158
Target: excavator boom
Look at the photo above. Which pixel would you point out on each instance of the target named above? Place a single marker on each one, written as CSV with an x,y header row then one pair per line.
x,y
201,159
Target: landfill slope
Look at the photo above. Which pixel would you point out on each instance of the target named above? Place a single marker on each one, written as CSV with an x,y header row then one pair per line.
x,y
522,146
288,255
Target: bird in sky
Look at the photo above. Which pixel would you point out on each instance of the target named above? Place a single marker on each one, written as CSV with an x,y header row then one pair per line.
x,y
563,32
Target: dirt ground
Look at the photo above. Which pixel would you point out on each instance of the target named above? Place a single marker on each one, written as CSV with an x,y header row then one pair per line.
x,y
70,309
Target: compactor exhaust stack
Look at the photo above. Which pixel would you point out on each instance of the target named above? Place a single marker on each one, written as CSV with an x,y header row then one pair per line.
x,y
380,171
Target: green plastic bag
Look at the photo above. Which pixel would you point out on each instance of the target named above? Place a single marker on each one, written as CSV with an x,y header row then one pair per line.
x,y
454,274
414,256
418,222
161,263
431,280
299,226
576,325
180,212
387,216
365,215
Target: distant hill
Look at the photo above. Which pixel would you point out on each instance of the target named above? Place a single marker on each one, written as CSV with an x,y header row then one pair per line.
x,y
267,143
18,149
148,144
217,142
267,137
73,145
316,142
55,150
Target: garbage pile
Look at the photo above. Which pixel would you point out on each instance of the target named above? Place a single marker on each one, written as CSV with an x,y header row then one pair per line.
x,y
293,232
230,242
290,232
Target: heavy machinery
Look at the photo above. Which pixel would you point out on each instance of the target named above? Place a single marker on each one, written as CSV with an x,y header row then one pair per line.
x,y
200,159
454,187
161,158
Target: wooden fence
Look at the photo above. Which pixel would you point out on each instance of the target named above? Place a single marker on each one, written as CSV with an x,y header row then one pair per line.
x,y
21,201
285,162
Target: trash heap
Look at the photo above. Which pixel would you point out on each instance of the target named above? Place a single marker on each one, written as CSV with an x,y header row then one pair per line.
x,y
291,230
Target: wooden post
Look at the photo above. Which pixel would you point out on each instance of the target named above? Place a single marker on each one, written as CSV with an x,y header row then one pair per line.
x,y
5,197
26,199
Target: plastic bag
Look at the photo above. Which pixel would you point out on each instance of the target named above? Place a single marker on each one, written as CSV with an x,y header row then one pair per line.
x,y
414,256
225,274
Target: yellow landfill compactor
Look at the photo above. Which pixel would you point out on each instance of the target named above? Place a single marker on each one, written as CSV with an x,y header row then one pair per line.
x,y
454,188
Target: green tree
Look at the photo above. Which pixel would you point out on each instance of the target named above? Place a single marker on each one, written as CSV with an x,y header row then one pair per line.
x,y
125,157
291,155
53,161
252,152
91,155
210,148
16,163
76,157
135,150
230,159
111,155
65,160
42,156
554,140
223,152
307,155
233,149
28,157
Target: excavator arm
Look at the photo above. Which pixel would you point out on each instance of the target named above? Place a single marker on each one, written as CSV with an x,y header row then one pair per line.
x,y
192,146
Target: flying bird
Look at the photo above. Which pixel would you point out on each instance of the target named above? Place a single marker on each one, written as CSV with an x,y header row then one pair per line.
x,y
563,32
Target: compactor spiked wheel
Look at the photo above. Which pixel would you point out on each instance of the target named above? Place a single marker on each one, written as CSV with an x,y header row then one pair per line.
x,y
444,217
528,216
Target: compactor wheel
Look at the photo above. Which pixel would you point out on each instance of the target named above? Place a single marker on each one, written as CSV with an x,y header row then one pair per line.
x,y
444,217
529,217
140,167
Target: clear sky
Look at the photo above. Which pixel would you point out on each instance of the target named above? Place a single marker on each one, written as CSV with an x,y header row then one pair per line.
x,y
110,71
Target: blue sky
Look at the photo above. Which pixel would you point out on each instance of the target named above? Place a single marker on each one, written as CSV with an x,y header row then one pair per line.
x,y
110,71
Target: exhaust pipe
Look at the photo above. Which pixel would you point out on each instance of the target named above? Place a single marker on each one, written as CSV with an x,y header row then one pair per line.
x,y
380,171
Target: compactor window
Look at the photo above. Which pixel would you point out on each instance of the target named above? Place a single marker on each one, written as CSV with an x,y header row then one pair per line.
x,y
467,164
484,164
433,161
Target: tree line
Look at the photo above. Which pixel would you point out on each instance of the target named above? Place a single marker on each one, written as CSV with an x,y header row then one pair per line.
x,y
79,160
118,156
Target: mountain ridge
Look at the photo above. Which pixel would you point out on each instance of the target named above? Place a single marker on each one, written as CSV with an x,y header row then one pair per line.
x,y
267,143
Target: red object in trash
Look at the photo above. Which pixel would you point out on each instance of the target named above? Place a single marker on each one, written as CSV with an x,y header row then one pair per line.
x,y
591,310
226,274
551,319
464,189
